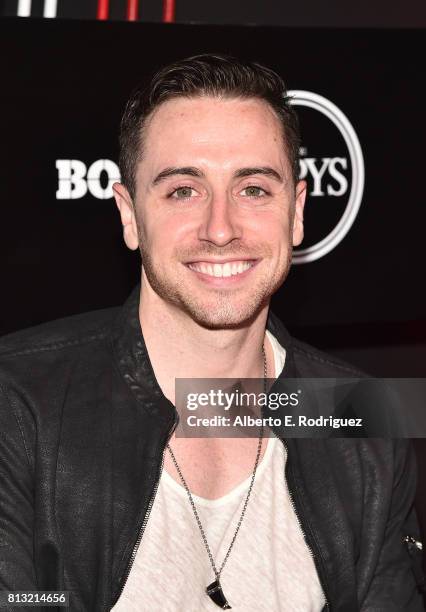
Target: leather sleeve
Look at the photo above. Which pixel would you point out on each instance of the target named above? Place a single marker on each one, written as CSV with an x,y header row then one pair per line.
x,y
16,503
394,587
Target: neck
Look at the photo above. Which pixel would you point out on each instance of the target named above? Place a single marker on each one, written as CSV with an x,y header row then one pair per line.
x,y
179,347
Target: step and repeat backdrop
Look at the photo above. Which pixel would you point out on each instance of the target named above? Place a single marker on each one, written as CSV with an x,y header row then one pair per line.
x,y
360,96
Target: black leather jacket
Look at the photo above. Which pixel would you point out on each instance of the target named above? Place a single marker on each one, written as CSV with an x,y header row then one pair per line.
x,y
83,427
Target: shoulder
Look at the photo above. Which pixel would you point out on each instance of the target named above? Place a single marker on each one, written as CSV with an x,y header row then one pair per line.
x,y
307,361
312,362
69,332
43,365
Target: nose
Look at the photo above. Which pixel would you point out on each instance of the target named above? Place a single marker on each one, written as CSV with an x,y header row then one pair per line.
x,y
220,225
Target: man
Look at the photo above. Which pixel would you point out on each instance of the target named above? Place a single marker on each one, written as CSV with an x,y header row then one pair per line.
x,y
98,496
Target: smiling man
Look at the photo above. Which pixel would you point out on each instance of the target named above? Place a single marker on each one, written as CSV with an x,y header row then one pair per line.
x,y
98,495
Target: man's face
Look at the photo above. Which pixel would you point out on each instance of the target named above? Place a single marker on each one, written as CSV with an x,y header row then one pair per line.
x,y
216,212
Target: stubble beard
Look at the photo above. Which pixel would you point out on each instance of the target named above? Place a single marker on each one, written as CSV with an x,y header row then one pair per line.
x,y
217,309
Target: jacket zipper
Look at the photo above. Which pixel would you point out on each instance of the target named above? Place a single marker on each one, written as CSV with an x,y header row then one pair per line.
x,y
151,502
296,512
146,517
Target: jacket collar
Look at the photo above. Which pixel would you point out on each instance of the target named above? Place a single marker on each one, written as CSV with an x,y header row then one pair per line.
x,y
134,363
277,329
136,368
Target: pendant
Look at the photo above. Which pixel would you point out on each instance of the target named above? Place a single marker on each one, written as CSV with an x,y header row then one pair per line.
x,y
214,591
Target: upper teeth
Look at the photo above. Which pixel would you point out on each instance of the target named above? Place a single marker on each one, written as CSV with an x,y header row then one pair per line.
x,y
227,269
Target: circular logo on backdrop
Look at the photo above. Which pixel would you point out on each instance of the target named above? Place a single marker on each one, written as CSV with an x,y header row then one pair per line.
x,y
332,163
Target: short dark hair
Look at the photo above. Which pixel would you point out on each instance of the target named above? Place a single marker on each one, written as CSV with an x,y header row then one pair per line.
x,y
204,75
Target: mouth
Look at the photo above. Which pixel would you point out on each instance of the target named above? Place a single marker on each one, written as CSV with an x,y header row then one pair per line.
x,y
222,270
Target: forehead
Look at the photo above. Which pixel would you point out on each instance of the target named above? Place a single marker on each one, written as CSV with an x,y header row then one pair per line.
x,y
226,130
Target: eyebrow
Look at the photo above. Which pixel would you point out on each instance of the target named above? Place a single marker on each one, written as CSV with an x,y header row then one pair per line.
x,y
264,170
185,171
192,171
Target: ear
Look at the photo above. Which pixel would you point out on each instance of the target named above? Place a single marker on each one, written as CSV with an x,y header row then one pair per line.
x,y
298,213
127,214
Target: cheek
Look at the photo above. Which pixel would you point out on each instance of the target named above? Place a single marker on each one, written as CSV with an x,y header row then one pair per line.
x,y
165,234
278,241
179,227
272,229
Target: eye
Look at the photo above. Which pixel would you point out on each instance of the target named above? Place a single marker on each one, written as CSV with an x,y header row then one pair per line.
x,y
183,193
254,191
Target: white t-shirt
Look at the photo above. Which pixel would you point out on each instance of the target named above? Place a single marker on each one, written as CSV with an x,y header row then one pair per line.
x,y
270,567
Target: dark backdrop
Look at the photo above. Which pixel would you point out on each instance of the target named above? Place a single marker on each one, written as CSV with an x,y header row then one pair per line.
x,y
65,84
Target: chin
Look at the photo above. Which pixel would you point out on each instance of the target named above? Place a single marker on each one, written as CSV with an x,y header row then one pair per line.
x,y
225,315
